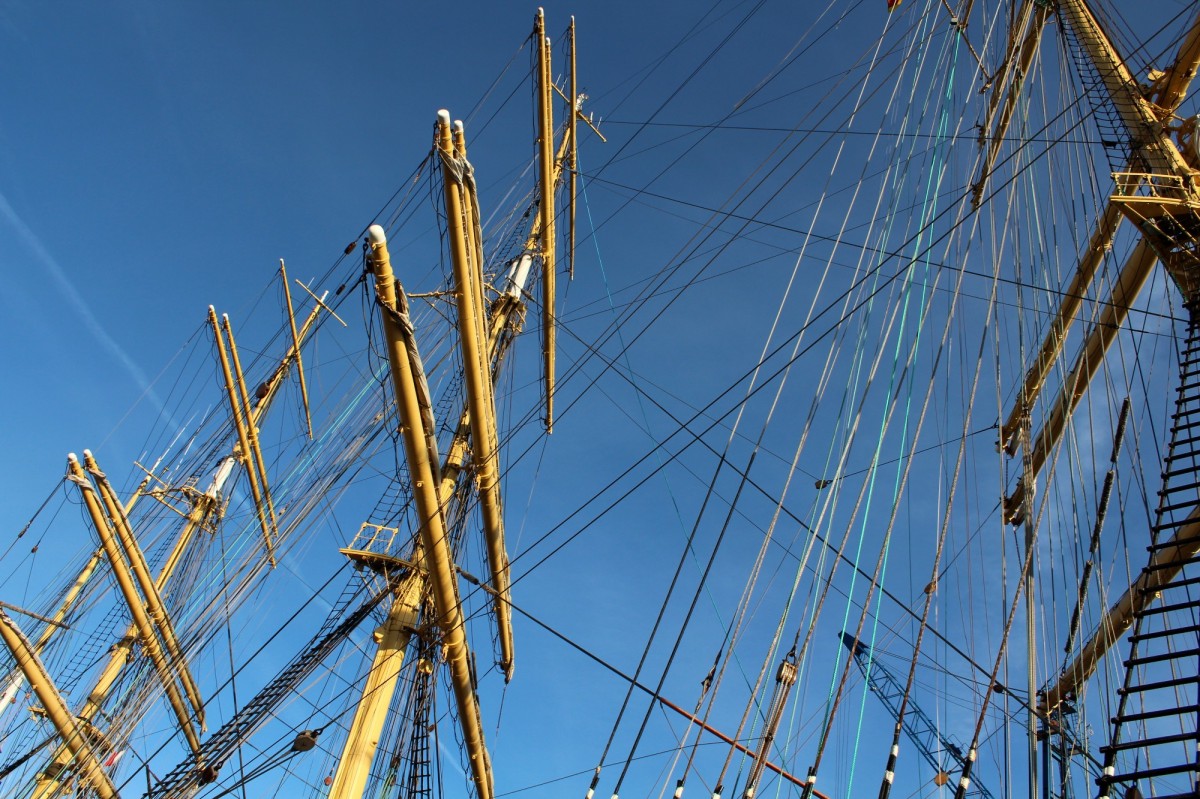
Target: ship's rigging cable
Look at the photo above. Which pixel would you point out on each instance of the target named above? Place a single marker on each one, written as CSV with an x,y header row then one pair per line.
x,y
33,518
243,590
217,745
1100,302
830,91
902,479
653,66
890,768
704,411
762,491
900,134
640,393
766,539
997,190
346,464
696,70
229,587
697,245
698,438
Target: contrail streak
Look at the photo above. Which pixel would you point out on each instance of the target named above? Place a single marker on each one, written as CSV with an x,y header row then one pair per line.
x,y
81,308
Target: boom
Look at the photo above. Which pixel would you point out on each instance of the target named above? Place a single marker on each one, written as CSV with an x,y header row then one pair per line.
x,y
919,728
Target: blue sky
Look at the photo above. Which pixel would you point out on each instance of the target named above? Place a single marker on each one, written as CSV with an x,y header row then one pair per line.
x,y
209,143
158,158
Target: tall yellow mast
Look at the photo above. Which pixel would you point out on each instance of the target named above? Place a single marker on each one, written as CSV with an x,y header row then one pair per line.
x,y
146,629
466,254
206,508
546,191
413,406
1159,195
69,729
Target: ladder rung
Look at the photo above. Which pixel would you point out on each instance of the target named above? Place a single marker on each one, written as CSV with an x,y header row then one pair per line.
x,y
1180,505
1186,426
1171,525
1156,714
1194,628
1173,543
1161,771
1154,686
1142,661
1164,739
1174,584
1183,442
1169,473
1166,492
1177,564
1186,387
1155,610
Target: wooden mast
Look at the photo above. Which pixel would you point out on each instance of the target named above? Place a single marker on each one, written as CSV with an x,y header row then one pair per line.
x,y
206,508
546,206
1159,196
70,730
148,632
413,410
467,255
391,642
573,153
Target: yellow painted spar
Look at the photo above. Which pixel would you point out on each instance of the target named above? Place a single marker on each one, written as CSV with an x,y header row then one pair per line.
x,y
413,409
466,255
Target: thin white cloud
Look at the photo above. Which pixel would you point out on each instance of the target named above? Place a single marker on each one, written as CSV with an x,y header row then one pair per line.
x,y
74,300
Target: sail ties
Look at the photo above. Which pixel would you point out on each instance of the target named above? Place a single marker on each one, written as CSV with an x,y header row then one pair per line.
x,y
399,314
69,728
431,515
247,431
150,623
466,250
457,168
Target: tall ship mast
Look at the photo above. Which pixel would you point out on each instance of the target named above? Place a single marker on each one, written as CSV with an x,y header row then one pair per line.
x,y
816,414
